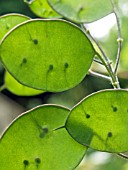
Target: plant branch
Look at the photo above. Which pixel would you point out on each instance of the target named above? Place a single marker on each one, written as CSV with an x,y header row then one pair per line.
x,y
99,75
123,155
106,62
119,40
2,87
97,61
90,36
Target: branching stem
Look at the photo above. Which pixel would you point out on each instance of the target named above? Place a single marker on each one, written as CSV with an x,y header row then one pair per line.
x,y
95,74
104,59
119,40
97,61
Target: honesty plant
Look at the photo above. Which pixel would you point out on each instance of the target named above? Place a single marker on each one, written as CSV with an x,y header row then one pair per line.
x,y
54,55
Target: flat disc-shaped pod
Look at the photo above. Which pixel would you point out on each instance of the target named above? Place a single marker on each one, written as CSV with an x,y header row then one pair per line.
x,y
82,11
42,9
100,121
9,21
18,89
35,141
50,55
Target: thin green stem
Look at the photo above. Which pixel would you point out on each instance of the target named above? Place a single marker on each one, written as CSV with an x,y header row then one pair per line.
x,y
94,40
104,59
97,61
98,75
119,40
114,79
2,87
123,155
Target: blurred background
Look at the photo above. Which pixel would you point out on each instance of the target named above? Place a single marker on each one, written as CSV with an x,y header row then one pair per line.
x,y
105,31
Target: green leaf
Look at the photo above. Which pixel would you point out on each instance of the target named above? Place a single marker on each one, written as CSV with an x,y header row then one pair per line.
x,y
100,121
36,141
16,88
50,55
82,11
42,9
9,21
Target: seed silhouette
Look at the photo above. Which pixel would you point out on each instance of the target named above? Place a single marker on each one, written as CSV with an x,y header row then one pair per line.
x,y
35,41
45,130
109,134
87,116
26,162
42,135
24,60
114,109
38,160
50,67
66,65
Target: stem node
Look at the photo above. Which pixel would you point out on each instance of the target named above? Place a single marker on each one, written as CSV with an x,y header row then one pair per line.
x,y
120,40
109,62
